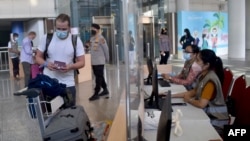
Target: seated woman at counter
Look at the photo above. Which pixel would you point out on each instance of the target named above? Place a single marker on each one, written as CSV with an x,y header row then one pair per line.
x,y
208,92
190,70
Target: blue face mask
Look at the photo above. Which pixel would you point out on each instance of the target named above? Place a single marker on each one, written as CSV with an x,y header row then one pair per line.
x,y
187,56
61,34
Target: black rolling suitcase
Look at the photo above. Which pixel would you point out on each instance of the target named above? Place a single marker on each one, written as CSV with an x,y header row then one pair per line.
x,y
71,124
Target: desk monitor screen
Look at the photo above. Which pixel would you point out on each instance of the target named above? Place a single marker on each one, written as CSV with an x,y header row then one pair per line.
x,y
140,127
153,99
150,72
165,121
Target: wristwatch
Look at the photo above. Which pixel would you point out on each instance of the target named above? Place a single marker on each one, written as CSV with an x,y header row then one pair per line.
x,y
45,64
190,100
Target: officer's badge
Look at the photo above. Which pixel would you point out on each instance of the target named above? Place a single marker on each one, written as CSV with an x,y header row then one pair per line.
x,y
103,41
95,46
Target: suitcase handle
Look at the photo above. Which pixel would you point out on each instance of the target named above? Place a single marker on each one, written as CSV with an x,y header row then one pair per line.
x,y
89,126
74,130
89,136
47,139
67,116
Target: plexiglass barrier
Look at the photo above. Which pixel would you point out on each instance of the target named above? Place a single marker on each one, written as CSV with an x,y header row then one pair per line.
x,y
127,32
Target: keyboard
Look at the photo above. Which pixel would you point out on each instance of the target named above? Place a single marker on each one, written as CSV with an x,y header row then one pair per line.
x,y
163,83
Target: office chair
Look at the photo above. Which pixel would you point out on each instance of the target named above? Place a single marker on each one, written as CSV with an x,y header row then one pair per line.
x,y
228,79
236,97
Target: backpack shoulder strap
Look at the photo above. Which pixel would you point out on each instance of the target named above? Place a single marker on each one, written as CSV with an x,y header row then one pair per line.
x,y
48,40
74,43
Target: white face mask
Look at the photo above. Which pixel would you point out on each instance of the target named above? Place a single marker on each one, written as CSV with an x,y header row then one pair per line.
x,y
187,56
196,67
62,34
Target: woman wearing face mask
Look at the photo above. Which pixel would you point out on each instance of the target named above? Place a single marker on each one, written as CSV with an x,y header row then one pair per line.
x,y
208,92
187,39
165,46
190,70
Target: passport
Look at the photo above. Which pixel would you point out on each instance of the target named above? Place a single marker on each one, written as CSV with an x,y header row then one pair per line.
x,y
59,65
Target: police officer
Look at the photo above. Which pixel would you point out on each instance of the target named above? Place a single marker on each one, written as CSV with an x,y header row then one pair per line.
x,y
99,56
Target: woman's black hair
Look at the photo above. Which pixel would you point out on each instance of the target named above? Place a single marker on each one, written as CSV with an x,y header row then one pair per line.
x,y
195,49
164,31
215,62
188,32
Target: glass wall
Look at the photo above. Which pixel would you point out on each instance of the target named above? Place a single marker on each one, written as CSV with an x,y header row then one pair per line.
x,y
120,23
87,9
133,56
131,29
86,12
155,9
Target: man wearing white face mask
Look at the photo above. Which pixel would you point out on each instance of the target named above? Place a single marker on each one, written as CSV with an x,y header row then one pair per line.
x,y
14,54
190,70
61,50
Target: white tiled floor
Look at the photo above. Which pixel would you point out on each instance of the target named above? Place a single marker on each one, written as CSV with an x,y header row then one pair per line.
x,y
15,124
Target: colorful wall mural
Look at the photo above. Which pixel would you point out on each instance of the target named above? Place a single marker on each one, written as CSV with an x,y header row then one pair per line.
x,y
210,29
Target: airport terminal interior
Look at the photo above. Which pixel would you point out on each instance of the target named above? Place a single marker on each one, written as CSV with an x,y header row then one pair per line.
x,y
16,125
144,18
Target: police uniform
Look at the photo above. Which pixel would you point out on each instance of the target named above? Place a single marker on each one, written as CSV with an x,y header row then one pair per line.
x,y
99,56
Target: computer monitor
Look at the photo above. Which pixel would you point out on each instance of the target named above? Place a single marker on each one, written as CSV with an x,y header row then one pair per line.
x,y
165,121
153,100
148,80
140,127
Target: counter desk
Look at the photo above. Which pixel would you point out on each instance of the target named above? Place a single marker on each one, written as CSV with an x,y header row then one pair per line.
x,y
85,73
194,122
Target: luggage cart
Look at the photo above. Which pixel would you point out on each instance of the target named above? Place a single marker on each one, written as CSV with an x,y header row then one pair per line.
x,y
40,109
70,124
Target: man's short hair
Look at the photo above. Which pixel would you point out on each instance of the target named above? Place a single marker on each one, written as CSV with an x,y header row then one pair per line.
x,y
96,26
32,33
63,18
15,35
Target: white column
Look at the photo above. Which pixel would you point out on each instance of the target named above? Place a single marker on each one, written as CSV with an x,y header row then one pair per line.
x,y
248,24
182,5
236,29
